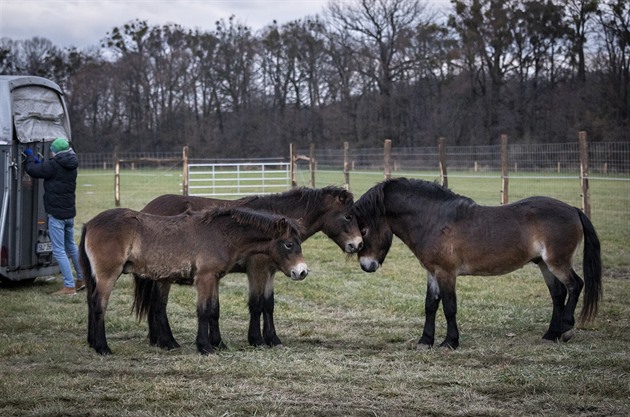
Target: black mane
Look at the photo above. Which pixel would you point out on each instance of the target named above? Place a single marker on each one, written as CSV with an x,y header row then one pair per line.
x,y
426,189
312,196
370,208
260,220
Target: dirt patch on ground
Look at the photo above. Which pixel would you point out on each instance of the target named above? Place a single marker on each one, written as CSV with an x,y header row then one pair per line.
x,y
616,273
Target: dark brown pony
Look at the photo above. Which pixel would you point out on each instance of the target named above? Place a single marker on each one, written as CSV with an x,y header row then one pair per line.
x,y
201,246
451,235
327,209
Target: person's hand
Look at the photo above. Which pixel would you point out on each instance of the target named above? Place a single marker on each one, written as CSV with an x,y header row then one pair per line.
x,y
28,152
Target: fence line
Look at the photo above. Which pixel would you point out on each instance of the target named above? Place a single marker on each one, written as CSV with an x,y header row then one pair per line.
x,y
236,179
553,170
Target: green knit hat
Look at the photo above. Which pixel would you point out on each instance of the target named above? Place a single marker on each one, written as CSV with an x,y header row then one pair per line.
x,y
59,145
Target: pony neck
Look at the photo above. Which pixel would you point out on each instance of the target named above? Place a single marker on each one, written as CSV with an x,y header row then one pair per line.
x,y
296,205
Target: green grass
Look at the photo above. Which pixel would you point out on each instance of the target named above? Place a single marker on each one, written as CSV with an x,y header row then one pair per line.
x,y
349,342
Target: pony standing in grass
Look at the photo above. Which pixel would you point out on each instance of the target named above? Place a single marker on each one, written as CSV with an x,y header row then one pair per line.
x,y
451,235
201,246
325,209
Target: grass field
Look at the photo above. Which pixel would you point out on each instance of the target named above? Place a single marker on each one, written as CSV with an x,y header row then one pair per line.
x,y
349,339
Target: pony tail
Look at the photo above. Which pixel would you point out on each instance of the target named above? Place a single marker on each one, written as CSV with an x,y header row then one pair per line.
x,y
592,268
144,291
86,266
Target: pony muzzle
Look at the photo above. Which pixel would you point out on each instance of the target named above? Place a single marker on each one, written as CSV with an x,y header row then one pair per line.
x,y
299,272
354,246
369,264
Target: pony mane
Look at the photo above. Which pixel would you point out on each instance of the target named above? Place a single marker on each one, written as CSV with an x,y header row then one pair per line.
x,y
312,196
370,208
260,220
427,189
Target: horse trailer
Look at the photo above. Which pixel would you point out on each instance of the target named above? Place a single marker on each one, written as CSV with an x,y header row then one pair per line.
x,y
32,115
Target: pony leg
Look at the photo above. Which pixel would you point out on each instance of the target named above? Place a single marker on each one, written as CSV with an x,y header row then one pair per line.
x,y
208,334
574,284
98,300
269,328
558,293
431,305
449,305
160,333
260,274
256,306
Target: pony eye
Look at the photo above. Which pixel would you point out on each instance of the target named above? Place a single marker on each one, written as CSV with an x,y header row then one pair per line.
x,y
288,245
364,231
348,217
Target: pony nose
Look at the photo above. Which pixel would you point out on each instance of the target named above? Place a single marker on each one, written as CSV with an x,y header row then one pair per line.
x,y
300,272
353,247
369,264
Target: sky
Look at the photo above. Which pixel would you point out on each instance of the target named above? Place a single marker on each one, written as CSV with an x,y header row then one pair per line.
x,y
84,23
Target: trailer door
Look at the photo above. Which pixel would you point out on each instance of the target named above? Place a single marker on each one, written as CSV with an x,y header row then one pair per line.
x,y
39,117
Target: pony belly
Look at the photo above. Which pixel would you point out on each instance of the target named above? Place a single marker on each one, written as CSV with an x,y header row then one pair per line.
x,y
491,266
179,272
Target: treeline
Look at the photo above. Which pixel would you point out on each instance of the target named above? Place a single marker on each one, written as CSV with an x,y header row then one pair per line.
x,y
361,72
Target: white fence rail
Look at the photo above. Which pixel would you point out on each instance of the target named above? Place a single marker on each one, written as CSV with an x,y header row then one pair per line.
x,y
237,178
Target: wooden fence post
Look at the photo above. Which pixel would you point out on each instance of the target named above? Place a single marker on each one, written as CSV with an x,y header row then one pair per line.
x,y
387,152
346,166
586,197
116,178
442,162
185,169
504,169
311,163
292,165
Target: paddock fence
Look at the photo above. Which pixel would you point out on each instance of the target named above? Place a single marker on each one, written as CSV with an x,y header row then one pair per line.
x,y
236,178
594,176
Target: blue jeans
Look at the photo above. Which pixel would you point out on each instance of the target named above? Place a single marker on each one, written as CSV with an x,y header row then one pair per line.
x,y
63,247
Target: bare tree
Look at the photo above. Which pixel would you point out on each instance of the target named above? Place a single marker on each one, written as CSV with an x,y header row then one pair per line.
x,y
614,18
382,30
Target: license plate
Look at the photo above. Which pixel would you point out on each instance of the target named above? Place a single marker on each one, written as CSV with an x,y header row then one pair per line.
x,y
45,247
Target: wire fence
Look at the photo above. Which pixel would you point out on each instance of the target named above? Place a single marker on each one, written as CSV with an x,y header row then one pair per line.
x,y
604,157
475,171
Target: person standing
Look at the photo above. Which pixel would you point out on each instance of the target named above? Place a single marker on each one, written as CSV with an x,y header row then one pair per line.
x,y
60,183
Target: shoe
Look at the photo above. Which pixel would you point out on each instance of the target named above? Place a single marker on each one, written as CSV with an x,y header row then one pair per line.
x,y
65,291
79,285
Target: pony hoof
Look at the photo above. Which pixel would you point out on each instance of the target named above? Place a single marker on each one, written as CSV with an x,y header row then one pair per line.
x,y
423,347
566,336
170,345
551,337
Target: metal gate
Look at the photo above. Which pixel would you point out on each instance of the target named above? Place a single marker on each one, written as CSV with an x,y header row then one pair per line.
x,y
237,178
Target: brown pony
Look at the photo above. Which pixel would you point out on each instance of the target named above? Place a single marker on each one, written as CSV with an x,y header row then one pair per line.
x,y
201,246
451,235
327,209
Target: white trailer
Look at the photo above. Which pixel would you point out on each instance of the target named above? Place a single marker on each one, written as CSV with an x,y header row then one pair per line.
x,y
32,114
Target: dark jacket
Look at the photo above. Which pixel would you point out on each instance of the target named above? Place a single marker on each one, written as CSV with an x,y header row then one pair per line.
x,y
60,182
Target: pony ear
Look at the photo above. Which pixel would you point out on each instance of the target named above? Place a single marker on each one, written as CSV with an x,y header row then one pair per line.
x,y
282,225
342,197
